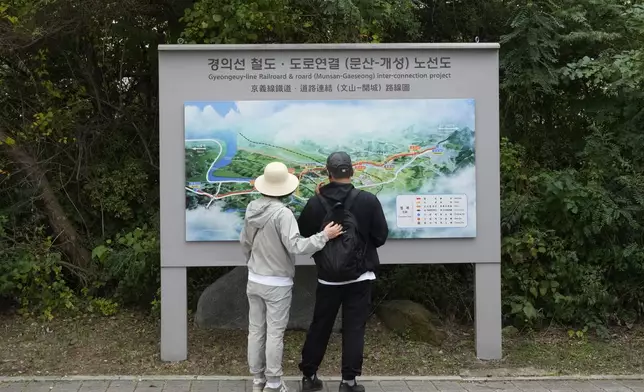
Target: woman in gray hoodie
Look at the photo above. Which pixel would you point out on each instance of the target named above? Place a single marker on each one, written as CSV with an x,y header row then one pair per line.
x,y
270,240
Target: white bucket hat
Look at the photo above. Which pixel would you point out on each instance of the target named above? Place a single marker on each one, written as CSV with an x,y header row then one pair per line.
x,y
276,180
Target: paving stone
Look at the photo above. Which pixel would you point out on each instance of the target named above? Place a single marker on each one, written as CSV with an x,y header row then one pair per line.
x,y
487,386
394,386
12,386
530,386
556,386
475,386
121,386
332,386
371,386
232,386
39,386
67,386
501,386
635,385
583,386
449,386
294,386
611,385
177,386
94,386
204,386
508,390
150,386
421,386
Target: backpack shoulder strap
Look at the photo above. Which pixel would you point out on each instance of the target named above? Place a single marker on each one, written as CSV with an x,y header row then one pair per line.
x,y
325,203
348,202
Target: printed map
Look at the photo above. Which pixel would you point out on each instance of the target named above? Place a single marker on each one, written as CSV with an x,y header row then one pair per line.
x,y
417,156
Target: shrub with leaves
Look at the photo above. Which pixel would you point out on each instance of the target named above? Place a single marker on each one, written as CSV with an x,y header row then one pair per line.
x,y
130,266
34,276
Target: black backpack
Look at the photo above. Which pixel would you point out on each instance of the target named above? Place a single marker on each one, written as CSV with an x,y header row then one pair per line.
x,y
343,258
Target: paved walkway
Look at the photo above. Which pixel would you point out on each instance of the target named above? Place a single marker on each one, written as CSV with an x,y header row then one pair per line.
x,y
371,386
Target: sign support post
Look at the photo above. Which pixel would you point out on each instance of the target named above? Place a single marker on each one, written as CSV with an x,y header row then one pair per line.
x,y
487,303
174,314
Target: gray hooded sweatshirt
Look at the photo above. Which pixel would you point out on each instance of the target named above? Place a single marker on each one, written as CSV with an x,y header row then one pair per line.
x,y
271,239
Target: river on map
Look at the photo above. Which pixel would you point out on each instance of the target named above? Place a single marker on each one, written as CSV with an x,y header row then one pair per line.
x,y
229,139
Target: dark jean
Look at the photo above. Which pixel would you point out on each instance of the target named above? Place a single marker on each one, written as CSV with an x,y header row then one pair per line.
x,y
355,299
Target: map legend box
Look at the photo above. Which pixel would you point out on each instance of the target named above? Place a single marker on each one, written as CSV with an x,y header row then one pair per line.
x,y
439,211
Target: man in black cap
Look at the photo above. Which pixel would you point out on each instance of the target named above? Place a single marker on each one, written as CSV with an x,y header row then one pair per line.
x,y
353,295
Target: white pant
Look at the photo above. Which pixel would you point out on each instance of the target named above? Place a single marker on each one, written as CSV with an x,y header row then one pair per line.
x,y
269,310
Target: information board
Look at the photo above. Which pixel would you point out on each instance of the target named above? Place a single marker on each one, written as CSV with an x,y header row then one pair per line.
x,y
421,122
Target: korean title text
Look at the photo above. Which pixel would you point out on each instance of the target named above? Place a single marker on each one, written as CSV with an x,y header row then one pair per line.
x,y
331,63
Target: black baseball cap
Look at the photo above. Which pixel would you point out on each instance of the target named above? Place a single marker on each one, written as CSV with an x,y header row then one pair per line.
x,y
339,165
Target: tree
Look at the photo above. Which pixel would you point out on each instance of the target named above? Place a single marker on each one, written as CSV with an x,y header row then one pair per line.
x,y
299,21
78,113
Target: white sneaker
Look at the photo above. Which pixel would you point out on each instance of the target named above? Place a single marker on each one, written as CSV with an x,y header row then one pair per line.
x,y
282,388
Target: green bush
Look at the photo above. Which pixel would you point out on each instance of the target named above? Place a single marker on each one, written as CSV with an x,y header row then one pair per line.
x,y
130,266
36,282
572,247
32,274
130,270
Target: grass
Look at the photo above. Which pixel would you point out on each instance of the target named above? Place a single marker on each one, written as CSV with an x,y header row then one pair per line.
x,y
129,344
225,173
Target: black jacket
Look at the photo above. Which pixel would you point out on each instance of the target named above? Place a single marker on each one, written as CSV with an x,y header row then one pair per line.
x,y
367,210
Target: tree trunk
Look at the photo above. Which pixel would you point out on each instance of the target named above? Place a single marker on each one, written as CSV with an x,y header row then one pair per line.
x,y
64,231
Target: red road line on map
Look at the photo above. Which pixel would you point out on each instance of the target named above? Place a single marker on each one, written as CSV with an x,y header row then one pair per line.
x,y
391,158
199,191
303,172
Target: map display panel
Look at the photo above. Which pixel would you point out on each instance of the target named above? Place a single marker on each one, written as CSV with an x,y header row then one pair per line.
x,y
416,155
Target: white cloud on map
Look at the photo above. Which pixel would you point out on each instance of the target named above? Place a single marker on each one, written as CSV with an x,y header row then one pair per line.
x,y
200,123
288,122
463,182
212,224
257,109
